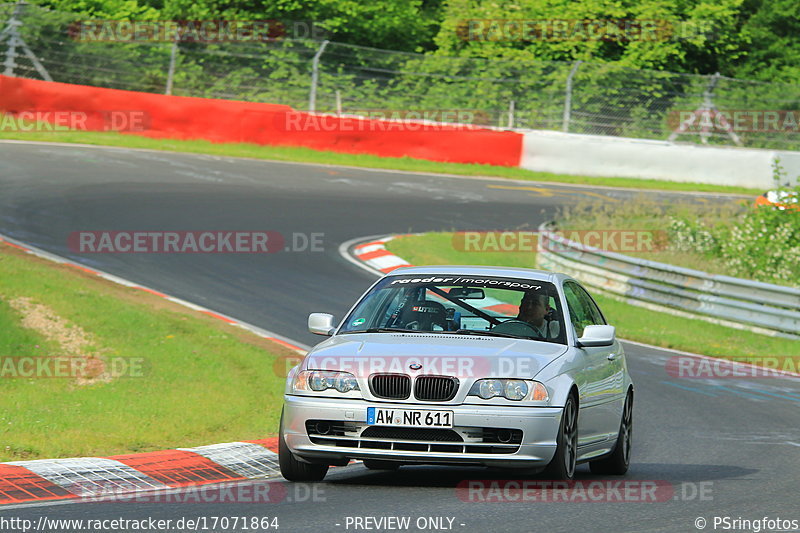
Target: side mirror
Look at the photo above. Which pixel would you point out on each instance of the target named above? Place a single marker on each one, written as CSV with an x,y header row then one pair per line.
x,y
321,324
597,336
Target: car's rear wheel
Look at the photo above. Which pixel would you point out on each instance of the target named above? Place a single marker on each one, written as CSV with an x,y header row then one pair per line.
x,y
563,464
618,462
294,469
375,464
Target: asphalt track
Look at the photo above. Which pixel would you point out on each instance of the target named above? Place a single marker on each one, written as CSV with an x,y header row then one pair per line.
x,y
735,440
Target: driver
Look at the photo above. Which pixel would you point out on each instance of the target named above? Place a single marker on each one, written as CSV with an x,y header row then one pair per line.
x,y
534,309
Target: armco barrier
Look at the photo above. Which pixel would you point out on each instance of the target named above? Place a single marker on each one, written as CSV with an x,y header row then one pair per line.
x,y
182,117
761,307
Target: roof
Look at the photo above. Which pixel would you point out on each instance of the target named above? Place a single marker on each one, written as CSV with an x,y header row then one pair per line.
x,y
466,270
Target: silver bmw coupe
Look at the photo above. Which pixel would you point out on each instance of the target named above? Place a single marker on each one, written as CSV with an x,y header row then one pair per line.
x,y
455,365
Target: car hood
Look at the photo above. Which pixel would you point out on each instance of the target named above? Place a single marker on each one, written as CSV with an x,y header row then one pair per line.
x,y
439,354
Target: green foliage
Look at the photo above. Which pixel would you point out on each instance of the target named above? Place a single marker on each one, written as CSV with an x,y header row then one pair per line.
x,y
733,238
771,50
744,38
611,93
692,36
763,244
396,24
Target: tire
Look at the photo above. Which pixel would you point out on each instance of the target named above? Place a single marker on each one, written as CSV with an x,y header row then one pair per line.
x,y
375,464
563,464
294,470
618,462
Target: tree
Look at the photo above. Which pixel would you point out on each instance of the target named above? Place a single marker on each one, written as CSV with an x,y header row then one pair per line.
x,y
686,36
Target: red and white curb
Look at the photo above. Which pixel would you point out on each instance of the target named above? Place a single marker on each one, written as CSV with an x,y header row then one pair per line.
x,y
371,254
56,479
95,477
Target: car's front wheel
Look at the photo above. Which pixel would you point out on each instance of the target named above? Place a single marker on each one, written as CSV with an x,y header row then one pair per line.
x,y
563,464
293,469
618,462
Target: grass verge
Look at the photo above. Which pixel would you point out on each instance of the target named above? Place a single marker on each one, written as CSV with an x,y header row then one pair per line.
x,y
632,322
201,381
307,155
727,238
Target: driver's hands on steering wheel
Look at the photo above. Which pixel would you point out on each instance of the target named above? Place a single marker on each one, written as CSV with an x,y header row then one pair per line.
x,y
515,326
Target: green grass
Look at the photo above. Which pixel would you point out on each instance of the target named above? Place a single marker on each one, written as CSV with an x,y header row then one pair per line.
x,y
203,382
646,214
632,322
649,215
307,155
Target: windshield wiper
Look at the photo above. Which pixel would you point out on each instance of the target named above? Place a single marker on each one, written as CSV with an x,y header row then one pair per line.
x,y
387,330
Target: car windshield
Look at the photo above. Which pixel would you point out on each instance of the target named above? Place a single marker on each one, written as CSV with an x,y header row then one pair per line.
x,y
461,305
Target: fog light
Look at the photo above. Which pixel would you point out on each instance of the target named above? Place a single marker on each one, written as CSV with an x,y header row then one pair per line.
x,y
504,436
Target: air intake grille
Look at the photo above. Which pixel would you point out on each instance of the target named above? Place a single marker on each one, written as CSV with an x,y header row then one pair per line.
x,y
435,388
390,386
427,434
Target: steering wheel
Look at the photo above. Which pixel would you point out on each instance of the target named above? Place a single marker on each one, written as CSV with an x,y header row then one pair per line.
x,y
516,327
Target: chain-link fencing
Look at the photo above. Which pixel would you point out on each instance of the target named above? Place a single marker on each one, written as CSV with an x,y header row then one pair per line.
x,y
330,77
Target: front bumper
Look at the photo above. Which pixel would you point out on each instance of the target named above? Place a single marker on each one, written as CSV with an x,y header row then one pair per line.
x,y
539,426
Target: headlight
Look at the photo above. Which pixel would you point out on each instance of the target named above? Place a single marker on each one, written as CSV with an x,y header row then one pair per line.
x,y
511,389
516,389
322,380
489,388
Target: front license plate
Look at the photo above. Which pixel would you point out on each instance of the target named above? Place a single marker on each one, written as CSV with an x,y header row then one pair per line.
x,y
412,418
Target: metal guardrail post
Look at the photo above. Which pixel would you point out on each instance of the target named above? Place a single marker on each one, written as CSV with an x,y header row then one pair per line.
x,y
312,96
173,56
568,97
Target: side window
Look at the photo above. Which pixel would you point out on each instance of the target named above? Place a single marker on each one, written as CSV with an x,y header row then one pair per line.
x,y
582,310
593,310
